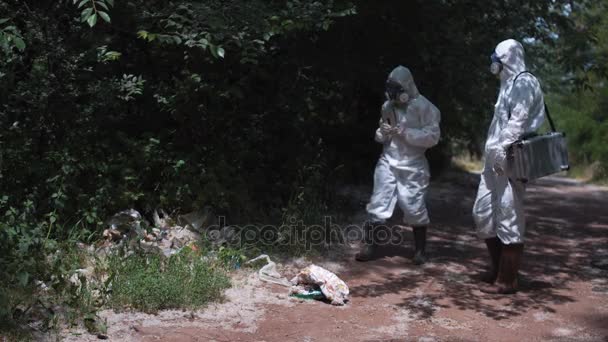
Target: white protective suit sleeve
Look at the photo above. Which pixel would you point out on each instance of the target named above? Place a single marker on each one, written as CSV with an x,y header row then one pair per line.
x,y
521,103
381,138
428,135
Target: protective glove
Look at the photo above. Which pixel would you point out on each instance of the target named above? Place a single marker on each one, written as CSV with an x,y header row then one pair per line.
x,y
386,129
399,129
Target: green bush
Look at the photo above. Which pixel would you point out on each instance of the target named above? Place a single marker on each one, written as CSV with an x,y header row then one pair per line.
x,y
24,246
583,116
151,283
35,270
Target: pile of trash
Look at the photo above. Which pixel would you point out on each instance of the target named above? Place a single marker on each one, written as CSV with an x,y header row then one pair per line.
x,y
127,231
313,282
165,237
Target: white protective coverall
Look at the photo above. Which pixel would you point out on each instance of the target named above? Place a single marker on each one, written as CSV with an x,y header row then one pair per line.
x,y
498,210
402,173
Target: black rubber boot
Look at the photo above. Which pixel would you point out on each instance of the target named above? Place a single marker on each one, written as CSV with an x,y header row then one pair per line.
x,y
494,246
420,245
367,250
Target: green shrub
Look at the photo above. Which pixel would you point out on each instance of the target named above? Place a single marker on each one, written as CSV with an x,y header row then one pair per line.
x,y
583,117
35,270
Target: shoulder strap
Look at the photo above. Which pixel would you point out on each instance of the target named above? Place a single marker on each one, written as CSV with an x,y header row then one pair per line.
x,y
549,118
546,107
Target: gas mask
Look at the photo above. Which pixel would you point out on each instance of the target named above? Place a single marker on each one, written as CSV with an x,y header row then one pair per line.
x,y
395,92
496,66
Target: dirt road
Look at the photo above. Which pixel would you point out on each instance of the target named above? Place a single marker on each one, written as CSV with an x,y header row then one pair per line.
x,y
563,297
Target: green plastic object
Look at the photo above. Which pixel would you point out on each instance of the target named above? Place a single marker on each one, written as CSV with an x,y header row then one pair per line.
x,y
316,294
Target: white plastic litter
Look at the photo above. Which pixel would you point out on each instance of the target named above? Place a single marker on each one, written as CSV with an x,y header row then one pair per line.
x,y
333,288
269,272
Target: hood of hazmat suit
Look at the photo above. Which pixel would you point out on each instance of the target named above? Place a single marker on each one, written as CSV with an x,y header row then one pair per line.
x,y
402,173
420,119
519,110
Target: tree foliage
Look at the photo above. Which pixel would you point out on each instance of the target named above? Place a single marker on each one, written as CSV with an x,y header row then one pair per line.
x,y
580,104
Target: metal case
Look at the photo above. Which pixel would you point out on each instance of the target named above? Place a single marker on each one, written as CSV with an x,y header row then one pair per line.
x,y
538,156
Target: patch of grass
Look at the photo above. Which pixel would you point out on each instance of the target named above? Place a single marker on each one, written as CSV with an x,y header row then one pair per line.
x,y
152,283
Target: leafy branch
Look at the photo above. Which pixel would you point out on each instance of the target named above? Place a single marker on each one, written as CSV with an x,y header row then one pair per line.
x,y
94,9
10,37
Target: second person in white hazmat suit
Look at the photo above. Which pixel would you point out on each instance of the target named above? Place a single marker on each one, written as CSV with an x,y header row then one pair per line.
x,y
499,208
402,172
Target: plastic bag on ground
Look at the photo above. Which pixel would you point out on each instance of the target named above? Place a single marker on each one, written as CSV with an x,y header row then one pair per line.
x,y
269,272
333,288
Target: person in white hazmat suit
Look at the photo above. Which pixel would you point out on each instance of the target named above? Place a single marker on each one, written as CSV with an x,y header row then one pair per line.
x,y
402,172
499,207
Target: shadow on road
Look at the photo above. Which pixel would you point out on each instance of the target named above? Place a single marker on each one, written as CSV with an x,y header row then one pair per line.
x,y
567,227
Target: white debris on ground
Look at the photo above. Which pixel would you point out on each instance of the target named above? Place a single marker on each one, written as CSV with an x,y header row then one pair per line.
x,y
311,282
269,272
333,288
